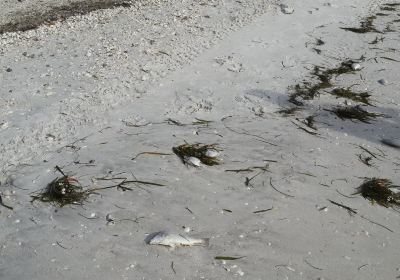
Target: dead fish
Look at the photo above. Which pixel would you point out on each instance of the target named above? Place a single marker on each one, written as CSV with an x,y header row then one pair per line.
x,y
174,240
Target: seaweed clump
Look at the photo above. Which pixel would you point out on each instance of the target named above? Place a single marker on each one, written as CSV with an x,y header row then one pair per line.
x,y
362,97
309,91
379,191
344,68
62,191
366,26
205,153
392,4
388,8
354,113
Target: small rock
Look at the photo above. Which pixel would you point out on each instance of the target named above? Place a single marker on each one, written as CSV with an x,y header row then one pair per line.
x,y
3,125
50,137
109,218
383,82
286,9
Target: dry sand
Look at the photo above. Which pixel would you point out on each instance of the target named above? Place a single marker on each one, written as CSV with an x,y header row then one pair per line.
x,y
92,92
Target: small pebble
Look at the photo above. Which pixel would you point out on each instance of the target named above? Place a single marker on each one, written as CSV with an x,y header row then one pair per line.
x,y
382,82
4,125
109,218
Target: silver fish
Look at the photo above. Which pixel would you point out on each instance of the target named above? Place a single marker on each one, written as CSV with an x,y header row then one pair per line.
x,y
174,240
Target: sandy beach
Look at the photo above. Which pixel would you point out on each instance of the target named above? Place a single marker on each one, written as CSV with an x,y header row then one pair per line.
x,y
301,100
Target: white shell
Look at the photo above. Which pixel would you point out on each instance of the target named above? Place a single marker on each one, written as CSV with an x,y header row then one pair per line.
x,y
194,161
356,66
211,153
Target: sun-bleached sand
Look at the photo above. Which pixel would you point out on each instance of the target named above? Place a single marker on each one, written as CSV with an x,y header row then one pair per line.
x,y
107,95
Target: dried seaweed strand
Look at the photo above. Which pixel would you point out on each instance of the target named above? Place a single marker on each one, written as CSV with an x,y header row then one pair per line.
x,y
353,211
366,150
375,223
239,170
262,211
172,267
349,209
304,129
270,182
151,153
125,181
313,266
6,206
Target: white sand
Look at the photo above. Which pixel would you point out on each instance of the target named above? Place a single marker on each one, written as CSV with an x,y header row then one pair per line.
x,y
237,77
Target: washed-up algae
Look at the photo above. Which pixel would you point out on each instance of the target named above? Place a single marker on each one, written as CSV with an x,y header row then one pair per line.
x,y
62,191
199,151
354,113
379,191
